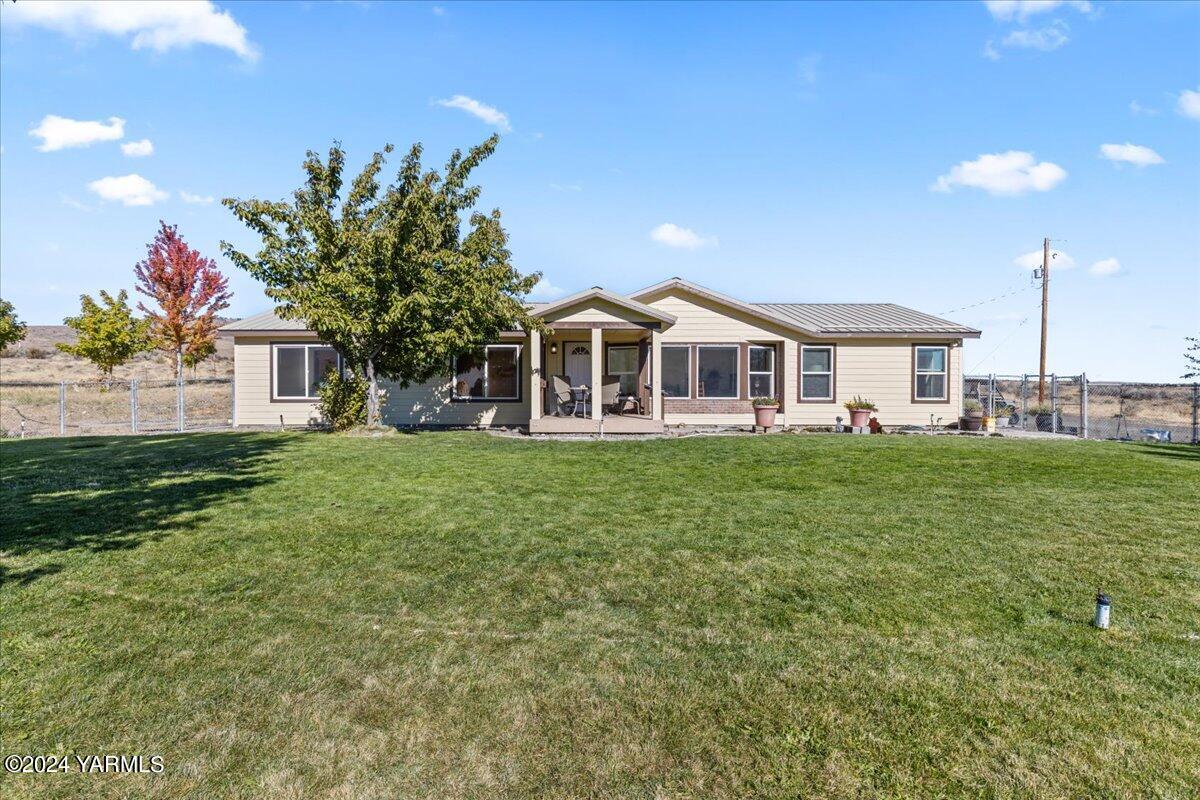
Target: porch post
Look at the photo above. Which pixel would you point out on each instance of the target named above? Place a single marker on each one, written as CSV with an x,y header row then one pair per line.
x,y
597,372
535,375
656,405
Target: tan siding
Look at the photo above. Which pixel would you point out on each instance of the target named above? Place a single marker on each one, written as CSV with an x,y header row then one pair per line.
x,y
429,403
597,310
698,320
252,384
880,370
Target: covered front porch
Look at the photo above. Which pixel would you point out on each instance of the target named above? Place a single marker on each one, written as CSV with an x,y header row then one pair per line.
x,y
597,367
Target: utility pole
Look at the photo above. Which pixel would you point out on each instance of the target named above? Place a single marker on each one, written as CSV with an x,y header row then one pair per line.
x,y
1045,300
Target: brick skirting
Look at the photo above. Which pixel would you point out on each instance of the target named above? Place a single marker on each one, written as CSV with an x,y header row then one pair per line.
x,y
679,405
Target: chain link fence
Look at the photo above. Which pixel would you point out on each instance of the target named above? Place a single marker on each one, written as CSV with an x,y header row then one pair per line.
x,y
93,408
1073,405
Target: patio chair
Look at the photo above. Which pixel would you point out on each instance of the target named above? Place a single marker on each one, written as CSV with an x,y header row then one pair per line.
x,y
563,400
610,393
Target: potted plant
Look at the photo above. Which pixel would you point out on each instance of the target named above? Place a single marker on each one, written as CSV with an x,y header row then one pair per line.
x,y
1043,413
860,411
1004,414
765,409
972,418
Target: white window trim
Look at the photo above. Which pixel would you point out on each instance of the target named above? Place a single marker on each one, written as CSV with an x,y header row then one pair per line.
x,y
686,348
486,394
828,372
751,373
634,347
275,348
737,370
918,372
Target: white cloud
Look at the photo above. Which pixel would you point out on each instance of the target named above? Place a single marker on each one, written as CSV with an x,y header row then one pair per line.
x,y
566,187
71,202
438,11
489,114
138,149
1021,10
1046,39
1012,173
806,68
195,199
990,52
1189,103
130,190
1137,109
1109,266
159,25
684,238
59,133
1058,260
544,290
1128,153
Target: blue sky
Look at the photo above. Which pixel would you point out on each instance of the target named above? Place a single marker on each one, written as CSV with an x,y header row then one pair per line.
x,y
803,152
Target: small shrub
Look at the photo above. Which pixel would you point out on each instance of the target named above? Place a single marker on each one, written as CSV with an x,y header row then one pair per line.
x,y
859,404
1040,409
37,353
765,402
972,406
343,402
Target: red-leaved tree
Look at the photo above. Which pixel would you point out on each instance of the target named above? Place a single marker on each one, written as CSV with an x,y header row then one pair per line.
x,y
189,290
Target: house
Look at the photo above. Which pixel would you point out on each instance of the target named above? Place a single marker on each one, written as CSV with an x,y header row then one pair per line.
x,y
674,353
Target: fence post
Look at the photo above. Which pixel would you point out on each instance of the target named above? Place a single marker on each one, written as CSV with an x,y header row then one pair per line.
x,y
1053,402
1196,413
62,408
992,394
179,402
133,405
1025,401
1083,406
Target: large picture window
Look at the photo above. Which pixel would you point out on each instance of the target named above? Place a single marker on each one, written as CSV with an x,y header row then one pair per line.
x,y
492,373
623,363
762,371
676,371
816,373
717,372
929,372
298,369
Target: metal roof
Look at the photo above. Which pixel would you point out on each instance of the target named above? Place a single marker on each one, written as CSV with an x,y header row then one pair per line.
x,y
821,319
834,318
266,321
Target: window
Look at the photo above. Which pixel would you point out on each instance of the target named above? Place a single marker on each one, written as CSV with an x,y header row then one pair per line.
x,y
623,362
717,368
816,373
298,369
676,371
929,372
762,371
492,373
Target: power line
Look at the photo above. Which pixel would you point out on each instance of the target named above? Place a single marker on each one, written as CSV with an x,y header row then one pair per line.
x,y
1010,293
1004,341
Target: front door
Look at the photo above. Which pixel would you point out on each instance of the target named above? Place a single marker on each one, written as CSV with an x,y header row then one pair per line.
x,y
578,364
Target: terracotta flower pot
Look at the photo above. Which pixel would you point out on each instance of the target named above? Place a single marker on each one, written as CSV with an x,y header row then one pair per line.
x,y
859,417
764,416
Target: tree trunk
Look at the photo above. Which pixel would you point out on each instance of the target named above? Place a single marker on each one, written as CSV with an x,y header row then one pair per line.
x,y
372,395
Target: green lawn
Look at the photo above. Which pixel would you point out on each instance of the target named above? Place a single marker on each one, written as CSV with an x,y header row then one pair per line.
x,y
456,615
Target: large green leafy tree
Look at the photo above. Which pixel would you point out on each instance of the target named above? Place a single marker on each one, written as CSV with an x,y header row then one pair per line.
x,y
12,330
388,276
108,335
